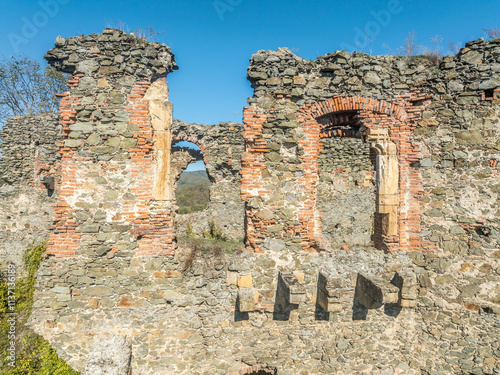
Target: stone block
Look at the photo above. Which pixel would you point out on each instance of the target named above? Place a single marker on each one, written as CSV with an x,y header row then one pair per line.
x,y
98,291
247,299
373,293
289,291
274,244
408,286
408,303
128,143
61,290
240,264
297,80
101,150
85,127
333,291
72,143
176,274
245,281
126,301
232,278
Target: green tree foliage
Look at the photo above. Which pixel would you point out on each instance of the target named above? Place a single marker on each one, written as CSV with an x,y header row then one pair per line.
x,y
33,354
192,198
192,192
27,88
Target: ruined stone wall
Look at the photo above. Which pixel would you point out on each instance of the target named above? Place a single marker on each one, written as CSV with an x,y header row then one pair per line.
x,y
29,181
459,153
447,191
231,312
296,106
29,149
351,310
106,202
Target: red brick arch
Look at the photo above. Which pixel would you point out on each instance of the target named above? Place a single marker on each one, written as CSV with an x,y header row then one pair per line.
x,y
400,118
339,104
176,138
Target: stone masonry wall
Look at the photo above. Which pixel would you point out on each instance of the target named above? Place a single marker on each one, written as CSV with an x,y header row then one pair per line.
x,y
29,182
443,95
296,104
29,149
191,322
431,307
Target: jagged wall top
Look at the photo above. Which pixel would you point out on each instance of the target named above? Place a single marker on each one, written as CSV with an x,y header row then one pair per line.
x,y
112,53
463,77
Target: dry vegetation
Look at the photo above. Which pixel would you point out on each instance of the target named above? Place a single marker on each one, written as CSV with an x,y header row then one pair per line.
x,y
492,33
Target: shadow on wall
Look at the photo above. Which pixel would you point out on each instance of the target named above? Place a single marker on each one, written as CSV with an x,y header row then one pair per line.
x,y
319,312
238,315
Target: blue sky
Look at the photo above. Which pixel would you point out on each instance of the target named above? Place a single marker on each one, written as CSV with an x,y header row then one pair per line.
x,y
213,40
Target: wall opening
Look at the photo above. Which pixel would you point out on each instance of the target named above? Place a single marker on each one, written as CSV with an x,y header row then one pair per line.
x,y
346,188
191,184
491,94
192,193
378,125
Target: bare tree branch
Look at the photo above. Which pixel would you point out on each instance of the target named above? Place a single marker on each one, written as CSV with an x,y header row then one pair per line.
x,y
27,88
410,46
493,33
453,47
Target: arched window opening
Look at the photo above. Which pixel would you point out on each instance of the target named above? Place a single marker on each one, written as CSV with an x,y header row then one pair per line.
x,y
191,186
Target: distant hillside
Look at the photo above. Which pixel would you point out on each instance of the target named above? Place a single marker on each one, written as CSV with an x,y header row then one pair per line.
x,y
192,192
193,178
